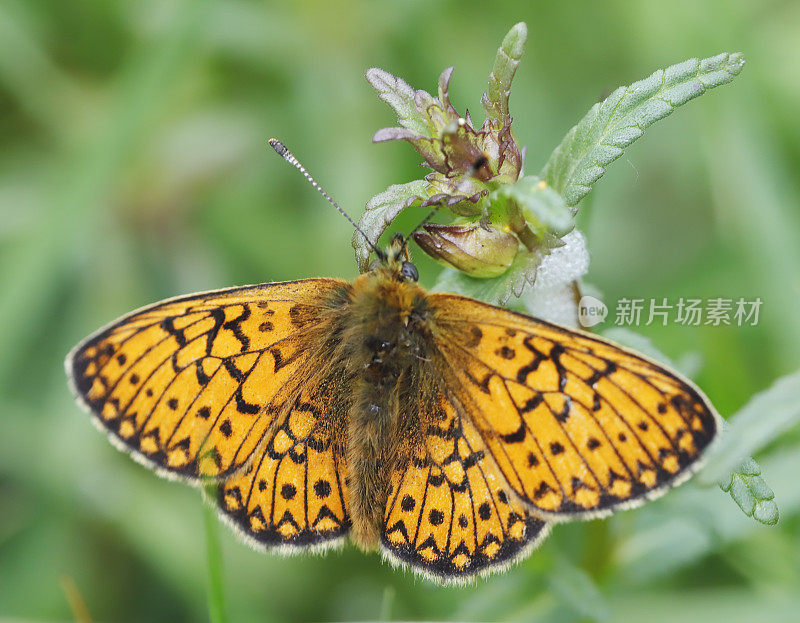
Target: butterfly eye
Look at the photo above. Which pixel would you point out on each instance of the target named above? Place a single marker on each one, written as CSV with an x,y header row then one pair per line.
x,y
409,271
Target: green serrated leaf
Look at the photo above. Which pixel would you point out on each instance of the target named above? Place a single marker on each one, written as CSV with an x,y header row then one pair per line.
x,y
759,488
749,467
495,100
379,213
751,493
401,97
613,124
767,415
742,495
766,512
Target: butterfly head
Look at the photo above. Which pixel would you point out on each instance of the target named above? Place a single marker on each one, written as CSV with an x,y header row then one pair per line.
x,y
396,261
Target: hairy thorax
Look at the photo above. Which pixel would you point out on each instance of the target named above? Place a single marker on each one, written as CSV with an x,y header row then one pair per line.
x,y
386,326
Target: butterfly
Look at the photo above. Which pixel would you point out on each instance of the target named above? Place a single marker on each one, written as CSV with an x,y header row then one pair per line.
x,y
446,432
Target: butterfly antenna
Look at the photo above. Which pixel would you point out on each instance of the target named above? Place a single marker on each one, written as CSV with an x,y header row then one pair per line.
x,y
284,153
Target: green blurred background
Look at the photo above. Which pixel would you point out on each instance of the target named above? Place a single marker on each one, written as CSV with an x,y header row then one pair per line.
x,y
133,167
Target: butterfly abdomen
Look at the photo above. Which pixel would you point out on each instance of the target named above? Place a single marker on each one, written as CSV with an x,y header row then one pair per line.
x,y
385,337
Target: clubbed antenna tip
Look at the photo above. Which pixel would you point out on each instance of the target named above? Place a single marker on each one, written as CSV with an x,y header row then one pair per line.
x,y
279,147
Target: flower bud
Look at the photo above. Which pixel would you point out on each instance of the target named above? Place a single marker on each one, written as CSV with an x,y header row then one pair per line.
x,y
472,249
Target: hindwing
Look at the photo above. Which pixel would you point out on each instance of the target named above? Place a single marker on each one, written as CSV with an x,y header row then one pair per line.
x,y
450,512
294,493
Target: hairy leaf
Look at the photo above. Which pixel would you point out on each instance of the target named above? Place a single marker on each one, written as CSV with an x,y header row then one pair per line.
x,y
379,213
401,97
613,124
751,493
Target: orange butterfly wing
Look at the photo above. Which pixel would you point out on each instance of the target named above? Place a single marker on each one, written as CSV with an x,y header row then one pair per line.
x,y
190,385
450,513
577,425
294,494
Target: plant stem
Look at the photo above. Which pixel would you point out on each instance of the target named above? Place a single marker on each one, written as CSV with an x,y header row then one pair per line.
x,y
216,597
386,604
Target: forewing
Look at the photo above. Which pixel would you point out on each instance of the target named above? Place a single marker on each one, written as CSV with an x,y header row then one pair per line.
x,y
578,425
294,494
450,513
190,385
